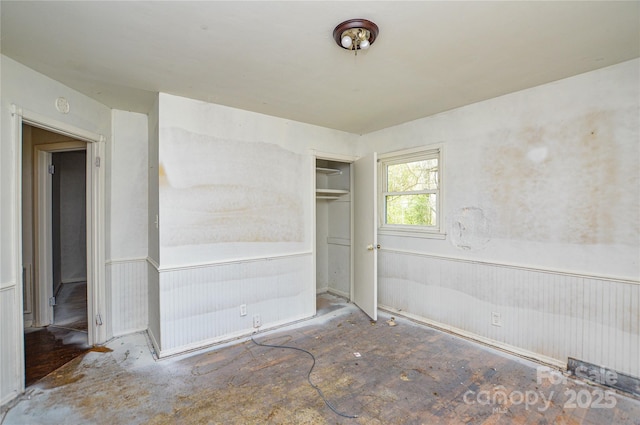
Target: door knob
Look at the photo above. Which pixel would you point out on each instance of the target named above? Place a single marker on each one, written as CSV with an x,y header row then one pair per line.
x,y
371,248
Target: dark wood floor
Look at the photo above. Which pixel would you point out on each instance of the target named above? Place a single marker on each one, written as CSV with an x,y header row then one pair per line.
x,y
48,348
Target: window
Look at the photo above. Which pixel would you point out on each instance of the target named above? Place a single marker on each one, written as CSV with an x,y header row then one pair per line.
x,y
411,192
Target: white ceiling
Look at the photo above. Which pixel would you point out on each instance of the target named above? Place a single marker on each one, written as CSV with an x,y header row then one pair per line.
x,y
279,57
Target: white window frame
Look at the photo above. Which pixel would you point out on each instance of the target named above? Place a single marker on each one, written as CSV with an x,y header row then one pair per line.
x,y
404,156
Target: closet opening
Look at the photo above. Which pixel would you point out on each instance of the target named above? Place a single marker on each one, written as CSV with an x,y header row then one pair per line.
x,y
334,229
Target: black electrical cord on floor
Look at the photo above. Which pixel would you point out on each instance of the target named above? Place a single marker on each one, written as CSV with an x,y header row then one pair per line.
x,y
308,376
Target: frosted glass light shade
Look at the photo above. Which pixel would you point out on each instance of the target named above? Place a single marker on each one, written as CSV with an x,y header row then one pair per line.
x,y
364,44
346,41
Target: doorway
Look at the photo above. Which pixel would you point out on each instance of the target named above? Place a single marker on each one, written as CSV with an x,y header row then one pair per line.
x,y
345,252
334,271
54,253
69,239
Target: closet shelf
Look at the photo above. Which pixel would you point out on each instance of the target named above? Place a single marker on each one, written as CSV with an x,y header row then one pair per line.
x,y
330,194
328,171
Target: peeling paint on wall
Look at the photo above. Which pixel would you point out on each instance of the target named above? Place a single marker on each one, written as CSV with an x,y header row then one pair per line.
x,y
470,229
220,191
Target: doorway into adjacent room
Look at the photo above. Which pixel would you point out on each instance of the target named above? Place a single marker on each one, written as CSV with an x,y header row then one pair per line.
x,y
54,215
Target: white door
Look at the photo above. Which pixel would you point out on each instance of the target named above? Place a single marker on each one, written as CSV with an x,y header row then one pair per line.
x,y
43,239
365,256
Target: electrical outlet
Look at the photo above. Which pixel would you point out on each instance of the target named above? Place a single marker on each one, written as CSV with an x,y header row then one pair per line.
x,y
496,319
257,322
243,309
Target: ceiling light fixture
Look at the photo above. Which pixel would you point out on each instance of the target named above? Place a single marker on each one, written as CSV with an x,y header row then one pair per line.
x,y
355,34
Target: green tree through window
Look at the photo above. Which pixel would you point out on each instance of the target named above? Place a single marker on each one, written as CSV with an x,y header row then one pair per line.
x,y
411,189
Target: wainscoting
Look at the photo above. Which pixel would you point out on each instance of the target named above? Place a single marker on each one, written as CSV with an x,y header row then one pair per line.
x,y
9,334
544,314
200,305
129,295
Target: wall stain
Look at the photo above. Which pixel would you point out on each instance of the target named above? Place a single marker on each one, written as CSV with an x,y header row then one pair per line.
x,y
562,183
224,191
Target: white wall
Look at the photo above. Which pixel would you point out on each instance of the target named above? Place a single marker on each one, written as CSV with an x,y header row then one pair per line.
x,y
128,222
35,93
552,169
544,182
236,205
129,186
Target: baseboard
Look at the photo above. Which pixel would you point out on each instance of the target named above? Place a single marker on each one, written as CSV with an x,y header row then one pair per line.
x,y
129,332
244,333
478,338
154,343
7,402
338,293
78,280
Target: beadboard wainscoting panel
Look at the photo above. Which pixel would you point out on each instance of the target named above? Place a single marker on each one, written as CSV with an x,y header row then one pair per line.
x,y
546,314
10,355
129,295
200,305
154,304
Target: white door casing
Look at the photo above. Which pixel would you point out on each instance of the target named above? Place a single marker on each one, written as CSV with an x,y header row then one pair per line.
x,y
95,177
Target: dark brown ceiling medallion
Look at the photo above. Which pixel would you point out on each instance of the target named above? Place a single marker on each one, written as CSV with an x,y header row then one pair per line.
x,y
355,34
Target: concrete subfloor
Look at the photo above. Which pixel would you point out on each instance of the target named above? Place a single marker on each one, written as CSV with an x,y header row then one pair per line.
x,y
404,374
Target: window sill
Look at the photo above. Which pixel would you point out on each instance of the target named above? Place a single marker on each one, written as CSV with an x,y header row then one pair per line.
x,y
411,233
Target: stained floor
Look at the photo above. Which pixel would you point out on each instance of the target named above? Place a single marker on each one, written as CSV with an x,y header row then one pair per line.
x,y
383,374
48,348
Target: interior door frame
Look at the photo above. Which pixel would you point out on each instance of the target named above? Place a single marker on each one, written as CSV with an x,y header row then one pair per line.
x,y
348,159
95,178
43,227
